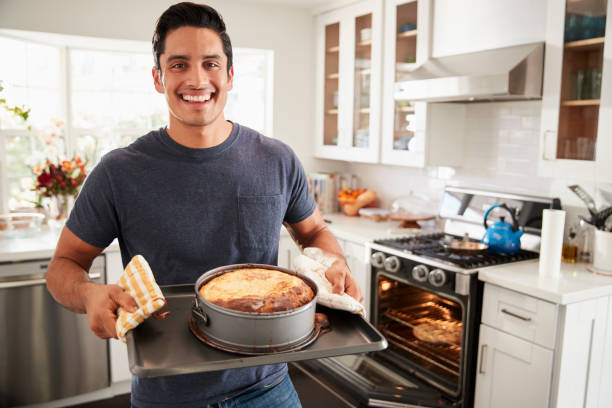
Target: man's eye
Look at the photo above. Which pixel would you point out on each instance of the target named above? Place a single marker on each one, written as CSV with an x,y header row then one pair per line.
x,y
212,64
179,65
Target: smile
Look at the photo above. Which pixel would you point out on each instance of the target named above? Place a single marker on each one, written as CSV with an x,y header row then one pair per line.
x,y
196,98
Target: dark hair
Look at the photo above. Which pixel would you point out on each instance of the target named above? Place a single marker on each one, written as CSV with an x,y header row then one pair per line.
x,y
194,15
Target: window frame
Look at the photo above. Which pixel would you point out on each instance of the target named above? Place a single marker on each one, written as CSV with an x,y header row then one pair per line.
x,y
67,43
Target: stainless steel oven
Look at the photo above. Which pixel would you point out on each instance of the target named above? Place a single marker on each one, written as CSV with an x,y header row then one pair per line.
x,y
426,301
431,327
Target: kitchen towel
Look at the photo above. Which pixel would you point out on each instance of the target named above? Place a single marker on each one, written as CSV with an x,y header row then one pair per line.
x,y
138,281
313,263
551,243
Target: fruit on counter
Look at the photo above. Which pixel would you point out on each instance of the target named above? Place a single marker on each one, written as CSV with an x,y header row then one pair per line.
x,y
353,200
347,195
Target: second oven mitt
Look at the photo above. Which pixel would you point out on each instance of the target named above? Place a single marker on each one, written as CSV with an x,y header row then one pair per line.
x,y
313,263
138,281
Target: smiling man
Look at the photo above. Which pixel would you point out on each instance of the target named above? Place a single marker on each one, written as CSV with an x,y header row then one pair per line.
x,y
202,193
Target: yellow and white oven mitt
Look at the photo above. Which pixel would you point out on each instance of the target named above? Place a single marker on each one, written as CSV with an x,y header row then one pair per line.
x,y
138,281
313,263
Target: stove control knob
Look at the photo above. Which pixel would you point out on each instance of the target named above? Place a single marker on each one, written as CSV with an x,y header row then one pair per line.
x,y
437,277
377,259
419,273
392,264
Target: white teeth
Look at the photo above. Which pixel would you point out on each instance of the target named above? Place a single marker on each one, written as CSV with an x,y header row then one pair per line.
x,y
196,98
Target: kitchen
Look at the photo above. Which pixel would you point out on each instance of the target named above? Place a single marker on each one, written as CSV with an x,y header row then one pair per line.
x,y
498,146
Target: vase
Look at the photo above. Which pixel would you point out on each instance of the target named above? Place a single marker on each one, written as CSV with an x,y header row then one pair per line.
x,y
60,206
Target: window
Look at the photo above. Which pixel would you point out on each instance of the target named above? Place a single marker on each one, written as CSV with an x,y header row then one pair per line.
x,y
88,96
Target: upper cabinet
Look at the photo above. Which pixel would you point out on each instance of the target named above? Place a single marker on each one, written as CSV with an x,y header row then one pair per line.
x,y
576,127
348,78
410,135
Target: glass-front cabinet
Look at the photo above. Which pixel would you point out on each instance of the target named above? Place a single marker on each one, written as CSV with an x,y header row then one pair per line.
x,y
407,44
576,103
349,43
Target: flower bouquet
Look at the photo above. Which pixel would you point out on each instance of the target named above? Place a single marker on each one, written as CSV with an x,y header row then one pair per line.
x,y
60,181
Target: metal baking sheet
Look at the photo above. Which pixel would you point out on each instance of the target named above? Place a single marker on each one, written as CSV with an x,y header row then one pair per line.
x,y
167,347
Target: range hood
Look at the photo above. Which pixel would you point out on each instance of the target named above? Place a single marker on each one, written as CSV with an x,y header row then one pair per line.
x,y
511,73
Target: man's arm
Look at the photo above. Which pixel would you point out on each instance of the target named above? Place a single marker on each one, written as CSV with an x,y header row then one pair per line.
x,y
69,284
313,232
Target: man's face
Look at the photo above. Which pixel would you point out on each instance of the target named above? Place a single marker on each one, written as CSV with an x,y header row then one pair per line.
x,y
194,76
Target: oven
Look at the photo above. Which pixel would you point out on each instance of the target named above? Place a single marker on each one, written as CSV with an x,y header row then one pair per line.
x,y
429,315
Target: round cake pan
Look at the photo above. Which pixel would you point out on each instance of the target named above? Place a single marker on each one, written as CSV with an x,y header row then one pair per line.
x,y
254,331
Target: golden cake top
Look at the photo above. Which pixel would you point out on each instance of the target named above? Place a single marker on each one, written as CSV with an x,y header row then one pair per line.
x,y
257,290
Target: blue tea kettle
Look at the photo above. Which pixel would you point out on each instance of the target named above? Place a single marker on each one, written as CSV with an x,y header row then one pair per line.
x,y
501,237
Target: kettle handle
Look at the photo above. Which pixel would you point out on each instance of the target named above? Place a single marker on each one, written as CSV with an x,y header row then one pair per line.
x,y
503,205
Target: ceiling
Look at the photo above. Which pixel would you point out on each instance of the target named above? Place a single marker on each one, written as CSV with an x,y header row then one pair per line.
x,y
307,4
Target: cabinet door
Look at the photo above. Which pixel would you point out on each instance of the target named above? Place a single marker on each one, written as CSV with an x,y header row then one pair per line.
x,y
511,372
355,255
287,251
329,52
348,47
579,363
407,44
574,100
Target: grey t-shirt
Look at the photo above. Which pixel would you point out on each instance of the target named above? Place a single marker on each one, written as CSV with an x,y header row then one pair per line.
x,y
190,210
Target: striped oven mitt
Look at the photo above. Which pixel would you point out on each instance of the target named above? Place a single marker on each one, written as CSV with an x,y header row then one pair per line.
x,y
138,281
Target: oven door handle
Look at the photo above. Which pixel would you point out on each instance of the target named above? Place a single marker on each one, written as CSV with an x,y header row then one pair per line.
x,y
483,356
518,316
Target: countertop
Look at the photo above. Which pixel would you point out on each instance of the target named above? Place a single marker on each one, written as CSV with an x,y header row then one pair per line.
x,y
362,230
40,245
574,284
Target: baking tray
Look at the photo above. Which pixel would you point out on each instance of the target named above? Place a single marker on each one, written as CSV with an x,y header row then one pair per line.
x,y
167,347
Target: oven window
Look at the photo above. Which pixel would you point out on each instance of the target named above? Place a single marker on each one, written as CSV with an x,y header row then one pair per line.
x,y
423,330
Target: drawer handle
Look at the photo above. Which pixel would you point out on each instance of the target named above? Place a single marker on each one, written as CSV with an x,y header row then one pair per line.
x,y
483,355
506,311
95,275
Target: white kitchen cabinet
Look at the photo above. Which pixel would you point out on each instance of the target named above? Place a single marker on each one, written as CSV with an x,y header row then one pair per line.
x,y
287,250
533,353
119,366
415,133
356,256
511,372
462,27
348,80
576,123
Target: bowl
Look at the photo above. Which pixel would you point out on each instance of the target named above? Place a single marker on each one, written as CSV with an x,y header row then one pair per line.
x,y
20,225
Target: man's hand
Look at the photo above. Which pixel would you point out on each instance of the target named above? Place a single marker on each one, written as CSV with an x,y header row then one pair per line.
x,y
340,276
101,303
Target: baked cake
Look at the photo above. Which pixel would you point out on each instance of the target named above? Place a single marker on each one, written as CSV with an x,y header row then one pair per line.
x,y
257,290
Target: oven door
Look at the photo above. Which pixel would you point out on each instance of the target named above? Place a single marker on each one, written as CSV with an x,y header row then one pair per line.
x,y
367,381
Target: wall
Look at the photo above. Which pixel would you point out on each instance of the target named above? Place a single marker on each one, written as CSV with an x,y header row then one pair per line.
x,y
249,24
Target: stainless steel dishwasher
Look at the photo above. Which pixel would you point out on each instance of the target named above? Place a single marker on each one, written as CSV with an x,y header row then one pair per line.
x,y
46,351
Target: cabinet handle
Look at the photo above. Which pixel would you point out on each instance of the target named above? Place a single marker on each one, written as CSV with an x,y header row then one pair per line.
x,y
483,356
95,275
506,311
547,153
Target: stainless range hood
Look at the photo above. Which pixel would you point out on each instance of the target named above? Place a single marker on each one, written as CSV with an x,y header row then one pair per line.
x,y
511,73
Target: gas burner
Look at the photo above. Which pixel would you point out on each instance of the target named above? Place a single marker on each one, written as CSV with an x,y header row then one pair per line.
x,y
430,246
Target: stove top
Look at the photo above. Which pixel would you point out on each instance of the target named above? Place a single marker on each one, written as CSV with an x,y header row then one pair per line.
x,y
430,246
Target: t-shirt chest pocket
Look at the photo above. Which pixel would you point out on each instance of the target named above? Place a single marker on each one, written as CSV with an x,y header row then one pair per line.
x,y
259,220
